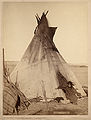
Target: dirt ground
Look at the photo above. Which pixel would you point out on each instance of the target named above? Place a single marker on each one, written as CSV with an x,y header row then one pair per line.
x,y
55,108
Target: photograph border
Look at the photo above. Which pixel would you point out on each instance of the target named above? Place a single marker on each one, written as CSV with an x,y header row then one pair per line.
x,y
57,117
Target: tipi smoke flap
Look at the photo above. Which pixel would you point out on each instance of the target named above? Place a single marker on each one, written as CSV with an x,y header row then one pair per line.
x,y
42,68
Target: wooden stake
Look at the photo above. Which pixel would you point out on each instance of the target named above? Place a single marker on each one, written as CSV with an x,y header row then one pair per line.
x,y
44,94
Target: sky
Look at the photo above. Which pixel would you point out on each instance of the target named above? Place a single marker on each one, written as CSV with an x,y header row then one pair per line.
x,y
71,37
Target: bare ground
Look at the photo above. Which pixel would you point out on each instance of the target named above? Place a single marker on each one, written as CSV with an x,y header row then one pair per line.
x,y
55,108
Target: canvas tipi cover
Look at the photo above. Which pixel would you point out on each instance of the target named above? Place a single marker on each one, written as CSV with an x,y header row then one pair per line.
x,y
42,68
10,93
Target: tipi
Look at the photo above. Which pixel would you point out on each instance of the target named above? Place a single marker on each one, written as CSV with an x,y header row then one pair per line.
x,y
10,93
42,69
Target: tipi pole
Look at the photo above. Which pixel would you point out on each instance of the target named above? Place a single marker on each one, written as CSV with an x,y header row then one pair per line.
x,y
3,62
5,70
16,76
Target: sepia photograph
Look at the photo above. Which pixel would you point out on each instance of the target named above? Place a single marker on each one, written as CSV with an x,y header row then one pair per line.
x,y
45,58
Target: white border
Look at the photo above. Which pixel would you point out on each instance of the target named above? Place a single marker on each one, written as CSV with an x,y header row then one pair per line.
x,y
56,117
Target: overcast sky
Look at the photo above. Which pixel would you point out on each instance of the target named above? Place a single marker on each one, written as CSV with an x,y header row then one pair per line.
x,y
71,36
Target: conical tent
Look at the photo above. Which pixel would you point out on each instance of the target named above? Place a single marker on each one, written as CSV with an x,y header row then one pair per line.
x,y
10,93
42,68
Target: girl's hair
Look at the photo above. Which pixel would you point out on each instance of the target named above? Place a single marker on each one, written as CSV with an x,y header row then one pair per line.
x,y
71,83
